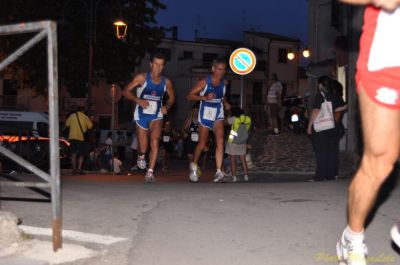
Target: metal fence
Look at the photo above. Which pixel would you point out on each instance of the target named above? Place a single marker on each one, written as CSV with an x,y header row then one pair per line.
x,y
45,29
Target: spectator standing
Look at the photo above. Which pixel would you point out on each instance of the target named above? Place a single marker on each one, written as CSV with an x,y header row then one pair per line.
x,y
325,141
274,102
236,145
78,124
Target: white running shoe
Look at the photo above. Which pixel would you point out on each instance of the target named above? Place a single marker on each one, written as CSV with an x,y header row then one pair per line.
x,y
219,176
234,179
195,173
395,233
351,252
141,162
149,178
246,178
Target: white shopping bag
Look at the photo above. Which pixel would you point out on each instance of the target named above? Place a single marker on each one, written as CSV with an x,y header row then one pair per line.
x,y
324,120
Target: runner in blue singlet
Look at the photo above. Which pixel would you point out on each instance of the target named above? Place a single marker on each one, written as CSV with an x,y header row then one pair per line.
x,y
150,89
153,93
210,92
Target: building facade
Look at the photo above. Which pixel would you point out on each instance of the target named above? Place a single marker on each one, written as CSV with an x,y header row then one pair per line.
x,y
187,62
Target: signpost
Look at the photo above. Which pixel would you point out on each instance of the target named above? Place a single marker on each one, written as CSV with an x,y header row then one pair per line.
x,y
242,62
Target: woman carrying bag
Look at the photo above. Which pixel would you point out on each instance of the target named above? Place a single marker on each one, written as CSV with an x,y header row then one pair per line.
x,y
323,130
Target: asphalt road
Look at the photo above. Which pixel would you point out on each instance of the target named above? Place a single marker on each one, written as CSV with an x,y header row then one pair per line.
x,y
173,222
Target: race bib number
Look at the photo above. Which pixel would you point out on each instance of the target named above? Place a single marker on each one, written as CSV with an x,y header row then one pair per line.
x,y
194,137
210,113
151,108
166,138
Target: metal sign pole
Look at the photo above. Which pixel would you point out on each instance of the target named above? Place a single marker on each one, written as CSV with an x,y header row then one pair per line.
x,y
242,61
112,126
115,97
241,91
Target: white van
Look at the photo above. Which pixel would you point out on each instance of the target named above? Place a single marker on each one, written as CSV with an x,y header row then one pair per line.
x,y
24,123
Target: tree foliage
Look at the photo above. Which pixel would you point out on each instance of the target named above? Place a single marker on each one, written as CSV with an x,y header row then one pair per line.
x,y
113,59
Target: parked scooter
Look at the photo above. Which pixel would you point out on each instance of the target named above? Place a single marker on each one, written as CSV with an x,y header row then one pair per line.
x,y
298,120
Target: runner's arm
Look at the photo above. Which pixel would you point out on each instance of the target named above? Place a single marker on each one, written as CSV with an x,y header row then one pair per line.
x,y
171,95
138,80
227,106
171,98
194,93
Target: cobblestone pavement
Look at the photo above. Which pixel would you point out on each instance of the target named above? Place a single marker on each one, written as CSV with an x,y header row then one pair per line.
x,y
289,153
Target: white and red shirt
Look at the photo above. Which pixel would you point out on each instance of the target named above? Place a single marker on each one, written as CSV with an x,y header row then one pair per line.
x,y
378,65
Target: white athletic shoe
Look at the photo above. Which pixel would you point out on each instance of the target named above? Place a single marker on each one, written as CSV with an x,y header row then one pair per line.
x,y
351,252
195,173
246,178
219,176
149,178
234,179
395,233
141,162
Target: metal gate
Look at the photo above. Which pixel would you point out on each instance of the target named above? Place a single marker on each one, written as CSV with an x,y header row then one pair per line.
x,y
45,29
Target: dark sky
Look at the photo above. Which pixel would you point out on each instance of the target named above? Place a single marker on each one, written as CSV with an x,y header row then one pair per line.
x,y
226,19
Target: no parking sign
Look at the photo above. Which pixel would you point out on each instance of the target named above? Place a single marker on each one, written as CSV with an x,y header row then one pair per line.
x,y
242,61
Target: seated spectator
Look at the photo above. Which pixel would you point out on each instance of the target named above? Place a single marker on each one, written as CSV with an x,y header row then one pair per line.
x,y
116,164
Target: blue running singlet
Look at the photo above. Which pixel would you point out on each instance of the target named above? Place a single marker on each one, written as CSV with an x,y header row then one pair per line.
x,y
212,110
153,93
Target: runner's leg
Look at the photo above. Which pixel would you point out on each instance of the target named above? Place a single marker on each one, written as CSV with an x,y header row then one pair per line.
x,y
155,133
219,141
381,132
203,138
143,140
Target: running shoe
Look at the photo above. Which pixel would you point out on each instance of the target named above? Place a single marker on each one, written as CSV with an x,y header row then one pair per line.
x,y
194,173
219,176
149,178
141,162
395,233
246,178
351,252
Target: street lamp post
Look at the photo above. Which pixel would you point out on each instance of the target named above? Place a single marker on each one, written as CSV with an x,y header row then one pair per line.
x,y
91,7
91,31
121,28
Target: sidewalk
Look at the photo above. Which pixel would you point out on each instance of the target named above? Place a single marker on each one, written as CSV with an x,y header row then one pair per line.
x,y
289,153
